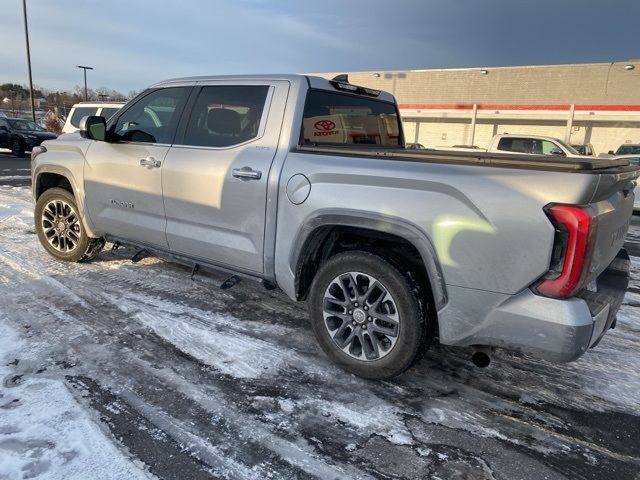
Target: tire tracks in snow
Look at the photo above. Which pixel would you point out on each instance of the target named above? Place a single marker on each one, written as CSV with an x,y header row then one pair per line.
x,y
136,332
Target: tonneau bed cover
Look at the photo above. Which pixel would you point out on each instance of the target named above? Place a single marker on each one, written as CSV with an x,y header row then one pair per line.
x,y
503,160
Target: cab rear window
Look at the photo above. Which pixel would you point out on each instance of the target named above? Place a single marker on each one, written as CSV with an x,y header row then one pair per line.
x,y
336,118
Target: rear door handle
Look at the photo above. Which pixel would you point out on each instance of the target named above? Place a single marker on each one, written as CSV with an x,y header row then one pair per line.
x,y
246,173
150,162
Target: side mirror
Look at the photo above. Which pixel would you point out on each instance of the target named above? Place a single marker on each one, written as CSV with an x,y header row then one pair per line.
x,y
557,151
93,128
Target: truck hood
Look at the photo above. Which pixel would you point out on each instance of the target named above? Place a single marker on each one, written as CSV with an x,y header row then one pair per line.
x,y
70,142
38,134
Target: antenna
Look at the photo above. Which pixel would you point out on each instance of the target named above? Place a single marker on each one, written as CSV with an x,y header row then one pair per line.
x,y
343,77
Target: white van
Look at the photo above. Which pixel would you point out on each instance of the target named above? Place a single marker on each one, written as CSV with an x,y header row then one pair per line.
x,y
86,109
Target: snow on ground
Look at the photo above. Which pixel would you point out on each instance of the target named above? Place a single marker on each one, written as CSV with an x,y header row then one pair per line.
x,y
197,382
44,432
15,177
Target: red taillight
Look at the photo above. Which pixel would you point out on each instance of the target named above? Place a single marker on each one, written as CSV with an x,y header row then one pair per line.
x,y
575,227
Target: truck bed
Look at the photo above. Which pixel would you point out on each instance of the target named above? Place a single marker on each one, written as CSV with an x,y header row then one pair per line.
x,y
485,159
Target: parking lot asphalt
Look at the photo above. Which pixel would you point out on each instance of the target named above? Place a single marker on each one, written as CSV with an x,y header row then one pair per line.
x,y
191,381
13,170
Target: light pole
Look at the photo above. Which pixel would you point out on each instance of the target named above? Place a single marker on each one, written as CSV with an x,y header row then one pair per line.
x,y
85,79
26,37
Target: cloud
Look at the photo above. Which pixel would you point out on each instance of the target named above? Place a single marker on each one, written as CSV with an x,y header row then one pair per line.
x,y
132,44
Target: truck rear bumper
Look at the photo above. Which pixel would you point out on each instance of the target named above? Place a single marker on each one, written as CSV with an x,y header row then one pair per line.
x,y
551,329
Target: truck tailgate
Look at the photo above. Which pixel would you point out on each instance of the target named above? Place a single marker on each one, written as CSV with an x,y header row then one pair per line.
x,y
612,205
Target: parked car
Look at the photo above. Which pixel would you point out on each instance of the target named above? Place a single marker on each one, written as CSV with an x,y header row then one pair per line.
x,y
523,145
627,149
87,109
531,145
22,135
455,148
304,183
633,160
584,148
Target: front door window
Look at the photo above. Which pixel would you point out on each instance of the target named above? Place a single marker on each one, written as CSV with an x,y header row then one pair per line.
x,y
153,118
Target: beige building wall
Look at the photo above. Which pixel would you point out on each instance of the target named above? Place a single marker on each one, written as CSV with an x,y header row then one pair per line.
x,y
588,83
610,137
436,103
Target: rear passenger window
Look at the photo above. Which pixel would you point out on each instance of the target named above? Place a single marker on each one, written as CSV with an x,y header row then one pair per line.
x,y
511,144
526,145
80,112
224,116
349,119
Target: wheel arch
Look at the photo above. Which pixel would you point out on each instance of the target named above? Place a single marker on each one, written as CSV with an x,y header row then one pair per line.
x,y
317,238
47,180
46,177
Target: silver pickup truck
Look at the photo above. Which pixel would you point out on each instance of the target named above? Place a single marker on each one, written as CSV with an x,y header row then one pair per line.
x,y
305,183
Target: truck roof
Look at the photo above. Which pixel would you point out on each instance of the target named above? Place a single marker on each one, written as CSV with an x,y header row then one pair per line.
x,y
515,135
294,79
99,104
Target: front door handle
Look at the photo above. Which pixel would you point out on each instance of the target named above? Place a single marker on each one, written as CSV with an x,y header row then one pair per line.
x,y
150,162
246,173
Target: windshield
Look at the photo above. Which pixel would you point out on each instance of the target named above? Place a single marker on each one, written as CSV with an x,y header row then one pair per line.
x,y
568,148
628,150
25,125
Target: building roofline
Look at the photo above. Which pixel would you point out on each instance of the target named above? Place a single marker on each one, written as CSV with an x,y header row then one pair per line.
x,y
486,67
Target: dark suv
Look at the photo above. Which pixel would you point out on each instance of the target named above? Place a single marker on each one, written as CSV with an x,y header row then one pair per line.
x,y
22,135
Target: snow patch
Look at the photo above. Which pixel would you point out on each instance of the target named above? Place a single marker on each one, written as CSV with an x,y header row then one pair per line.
x,y
230,345
45,433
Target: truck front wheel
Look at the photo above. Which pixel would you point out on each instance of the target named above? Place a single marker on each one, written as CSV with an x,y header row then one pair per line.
x,y
17,148
366,315
60,228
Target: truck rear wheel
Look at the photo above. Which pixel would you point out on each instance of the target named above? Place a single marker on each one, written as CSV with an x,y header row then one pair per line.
x,y
60,228
366,315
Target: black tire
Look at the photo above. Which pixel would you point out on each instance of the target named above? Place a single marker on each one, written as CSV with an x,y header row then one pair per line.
x,y
17,148
413,332
85,247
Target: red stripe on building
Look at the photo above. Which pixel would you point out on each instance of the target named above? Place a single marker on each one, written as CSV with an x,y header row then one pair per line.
x,y
504,106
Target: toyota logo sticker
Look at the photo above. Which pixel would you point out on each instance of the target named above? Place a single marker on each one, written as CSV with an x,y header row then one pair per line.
x,y
325,125
324,128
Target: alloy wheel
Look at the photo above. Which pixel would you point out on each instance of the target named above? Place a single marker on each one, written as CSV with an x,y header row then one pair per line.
x,y
361,316
61,226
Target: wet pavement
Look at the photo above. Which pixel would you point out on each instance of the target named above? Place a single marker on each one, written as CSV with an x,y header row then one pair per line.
x,y
191,381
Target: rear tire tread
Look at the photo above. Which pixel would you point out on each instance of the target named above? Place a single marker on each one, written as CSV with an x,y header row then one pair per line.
x,y
416,325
